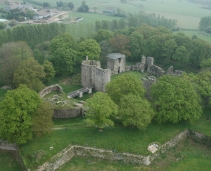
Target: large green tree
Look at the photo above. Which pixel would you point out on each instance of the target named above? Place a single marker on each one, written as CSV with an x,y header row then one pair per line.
x,y
135,111
30,72
100,108
90,48
49,71
203,86
63,54
15,114
42,119
124,85
175,99
11,54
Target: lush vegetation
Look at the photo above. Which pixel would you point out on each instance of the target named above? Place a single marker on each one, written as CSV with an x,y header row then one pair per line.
x,y
9,161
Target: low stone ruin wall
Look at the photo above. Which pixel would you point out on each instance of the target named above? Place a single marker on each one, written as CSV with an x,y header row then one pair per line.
x,y
49,89
68,113
4,145
69,152
75,150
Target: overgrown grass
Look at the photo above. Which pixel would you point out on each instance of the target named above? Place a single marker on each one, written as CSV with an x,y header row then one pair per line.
x,y
120,139
8,161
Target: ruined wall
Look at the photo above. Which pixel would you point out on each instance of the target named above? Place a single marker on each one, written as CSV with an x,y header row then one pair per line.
x,y
94,76
68,113
116,65
88,72
4,145
69,152
49,89
102,77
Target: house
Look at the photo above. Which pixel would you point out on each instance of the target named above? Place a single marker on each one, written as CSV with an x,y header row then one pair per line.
x,y
43,14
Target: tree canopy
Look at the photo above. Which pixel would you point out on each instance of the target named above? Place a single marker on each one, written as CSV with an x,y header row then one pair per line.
x,y
42,119
90,48
11,54
124,85
30,72
15,114
63,54
99,110
135,111
175,99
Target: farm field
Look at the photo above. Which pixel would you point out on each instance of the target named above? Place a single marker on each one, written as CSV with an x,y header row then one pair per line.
x,y
188,14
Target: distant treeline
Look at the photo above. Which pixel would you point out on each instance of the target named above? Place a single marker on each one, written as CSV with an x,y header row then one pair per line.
x,y
205,24
32,34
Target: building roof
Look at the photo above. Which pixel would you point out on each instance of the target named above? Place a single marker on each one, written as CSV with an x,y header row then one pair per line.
x,y
115,55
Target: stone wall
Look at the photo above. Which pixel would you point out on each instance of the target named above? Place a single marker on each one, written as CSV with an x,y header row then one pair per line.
x,y
116,63
94,76
4,145
68,113
49,89
75,150
71,151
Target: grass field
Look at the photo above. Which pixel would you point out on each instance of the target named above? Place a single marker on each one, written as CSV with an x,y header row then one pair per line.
x,y
8,161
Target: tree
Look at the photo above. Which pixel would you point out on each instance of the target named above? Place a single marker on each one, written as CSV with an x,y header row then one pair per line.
x,y
90,48
103,35
2,26
11,54
124,85
63,54
206,63
175,99
42,119
49,71
135,111
16,112
84,7
99,110
137,46
121,44
181,54
30,72
70,5
46,5
203,86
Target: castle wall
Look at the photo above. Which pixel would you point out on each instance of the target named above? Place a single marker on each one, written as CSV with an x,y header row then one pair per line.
x,y
102,77
92,75
116,64
88,72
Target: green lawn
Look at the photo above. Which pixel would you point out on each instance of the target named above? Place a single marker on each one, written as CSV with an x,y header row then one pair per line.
x,y
8,161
